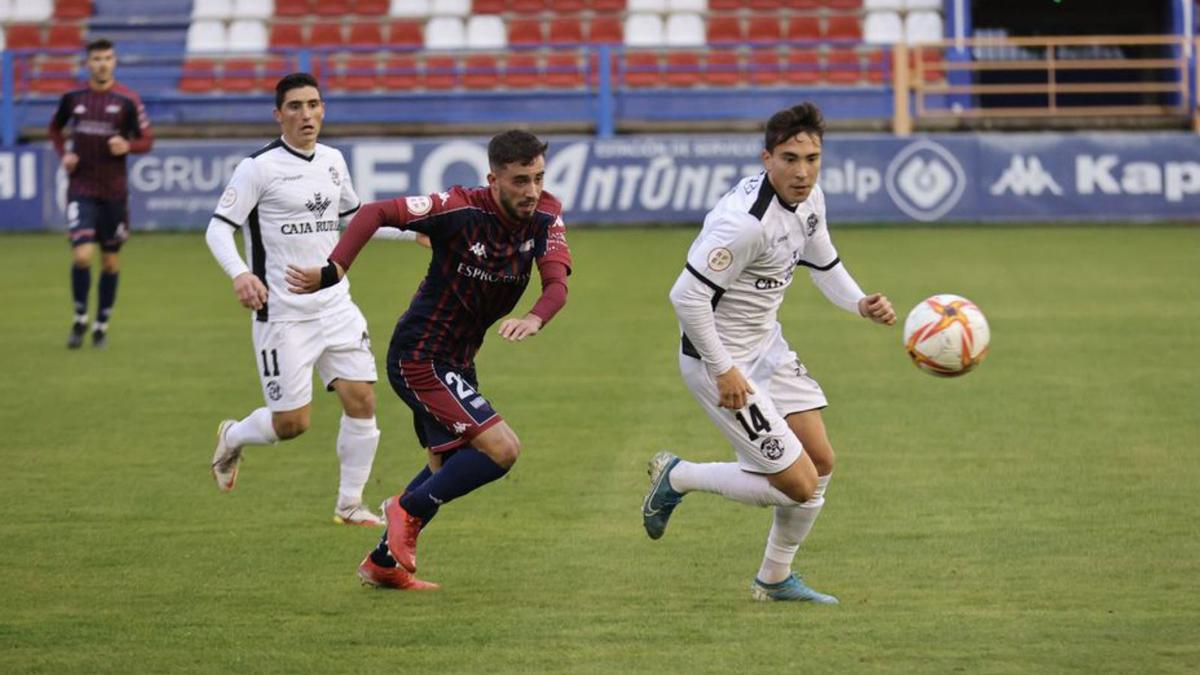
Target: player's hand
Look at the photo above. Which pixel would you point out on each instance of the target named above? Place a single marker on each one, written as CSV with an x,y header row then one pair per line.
x,y
733,388
877,308
118,146
69,162
515,330
303,280
423,239
250,290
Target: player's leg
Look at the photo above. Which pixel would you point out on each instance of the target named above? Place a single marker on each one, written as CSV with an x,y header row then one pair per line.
x,y
357,442
113,232
82,233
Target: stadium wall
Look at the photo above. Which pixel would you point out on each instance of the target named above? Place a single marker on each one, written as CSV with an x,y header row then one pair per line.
x,y
1141,177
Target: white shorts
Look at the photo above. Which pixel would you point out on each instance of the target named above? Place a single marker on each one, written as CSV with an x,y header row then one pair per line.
x,y
286,351
759,434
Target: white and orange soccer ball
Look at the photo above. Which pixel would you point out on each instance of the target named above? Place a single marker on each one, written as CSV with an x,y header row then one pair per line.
x,y
946,335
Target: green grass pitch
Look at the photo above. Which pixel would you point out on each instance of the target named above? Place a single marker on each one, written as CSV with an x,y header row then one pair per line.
x,y
1037,516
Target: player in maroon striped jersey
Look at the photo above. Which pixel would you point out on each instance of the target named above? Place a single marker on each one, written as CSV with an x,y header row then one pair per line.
x,y
106,122
485,242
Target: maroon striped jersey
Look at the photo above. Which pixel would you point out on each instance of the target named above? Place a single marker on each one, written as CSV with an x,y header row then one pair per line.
x,y
482,261
93,117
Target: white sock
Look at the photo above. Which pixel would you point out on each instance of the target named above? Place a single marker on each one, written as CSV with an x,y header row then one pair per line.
x,y
728,480
357,441
255,429
791,526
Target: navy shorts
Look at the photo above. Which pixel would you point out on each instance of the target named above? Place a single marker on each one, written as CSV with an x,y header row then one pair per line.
x,y
98,220
448,410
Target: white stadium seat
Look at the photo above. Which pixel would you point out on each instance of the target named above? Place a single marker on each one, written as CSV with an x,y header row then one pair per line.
x,y
450,7
932,5
643,30
253,9
685,29
872,5
445,32
212,9
659,6
700,6
923,27
883,28
206,35
31,10
407,8
1,39
486,31
5,11
247,35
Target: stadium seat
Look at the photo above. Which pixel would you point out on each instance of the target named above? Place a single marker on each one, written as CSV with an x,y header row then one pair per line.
x,y
212,9
54,76
684,30
326,34
292,7
725,5
608,6
32,10
64,36
413,8
399,72
206,36
23,36
843,66
198,76
653,6
440,72
770,4
641,69
445,32
725,29
533,6
931,64
883,28
605,29
563,71
450,7
923,26
73,9
764,66
564,30
489,6
331,7
803,27
285,36
699,6
843,27
369,7
879,69
843,4
481,71
272,70
764,29
359,73
643,30
405,33
253,9
887,5
485,31
247,35
521,70
525,31
239,75
722,68
365,34
683,69
801,66
932,5
568,6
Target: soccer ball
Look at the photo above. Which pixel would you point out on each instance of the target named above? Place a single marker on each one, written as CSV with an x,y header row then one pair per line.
x,y
946,335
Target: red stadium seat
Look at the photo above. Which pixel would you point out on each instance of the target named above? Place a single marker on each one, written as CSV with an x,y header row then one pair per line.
x,y
55,76
725,5
72,9
272,70
879,69
683,69
603,6
522,70
725,29
405,33
370,7
328,34
284,35
563,71
292,7
565,30
489,6
843,27
441,72
65,36
842,4
641,69
399,73
843,66
723,68
198,76
765,4
524,32
23,36
366,34
532,6
764,67
931,64
481,71
804,27
331,7
239,75
565,6
765,28
606,30
359,73
802,66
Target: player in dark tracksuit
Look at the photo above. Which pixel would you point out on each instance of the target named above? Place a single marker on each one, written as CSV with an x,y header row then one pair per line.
x,y
485,242
103,122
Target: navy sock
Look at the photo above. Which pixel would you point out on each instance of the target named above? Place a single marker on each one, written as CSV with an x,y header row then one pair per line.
x,y
467,470
81,282
422,476
108,295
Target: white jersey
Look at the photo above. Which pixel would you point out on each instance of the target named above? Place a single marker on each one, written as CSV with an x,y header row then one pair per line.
x,y
742,263
292,205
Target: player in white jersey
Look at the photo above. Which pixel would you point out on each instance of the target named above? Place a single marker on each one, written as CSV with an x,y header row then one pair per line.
x,y
291,196
736,362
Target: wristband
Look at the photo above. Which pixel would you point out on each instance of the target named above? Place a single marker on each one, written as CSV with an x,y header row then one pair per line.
x,y
329,275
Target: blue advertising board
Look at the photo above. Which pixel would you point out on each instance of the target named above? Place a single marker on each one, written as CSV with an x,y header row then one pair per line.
x,y
676,179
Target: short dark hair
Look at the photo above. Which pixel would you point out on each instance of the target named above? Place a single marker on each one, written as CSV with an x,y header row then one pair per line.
x,y
99,45
805,118
514,146
293,81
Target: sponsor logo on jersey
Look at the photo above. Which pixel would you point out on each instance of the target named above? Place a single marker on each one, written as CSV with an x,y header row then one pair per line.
x,y
329,225
478,249
472,272
318,204
925,180
460,427
286,179
80,109
112,108
418,206
1025,176
228,198
810,225
719,259
764,284
772,448
335,176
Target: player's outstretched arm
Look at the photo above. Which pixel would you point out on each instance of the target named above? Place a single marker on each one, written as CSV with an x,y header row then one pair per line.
x,y
877,308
